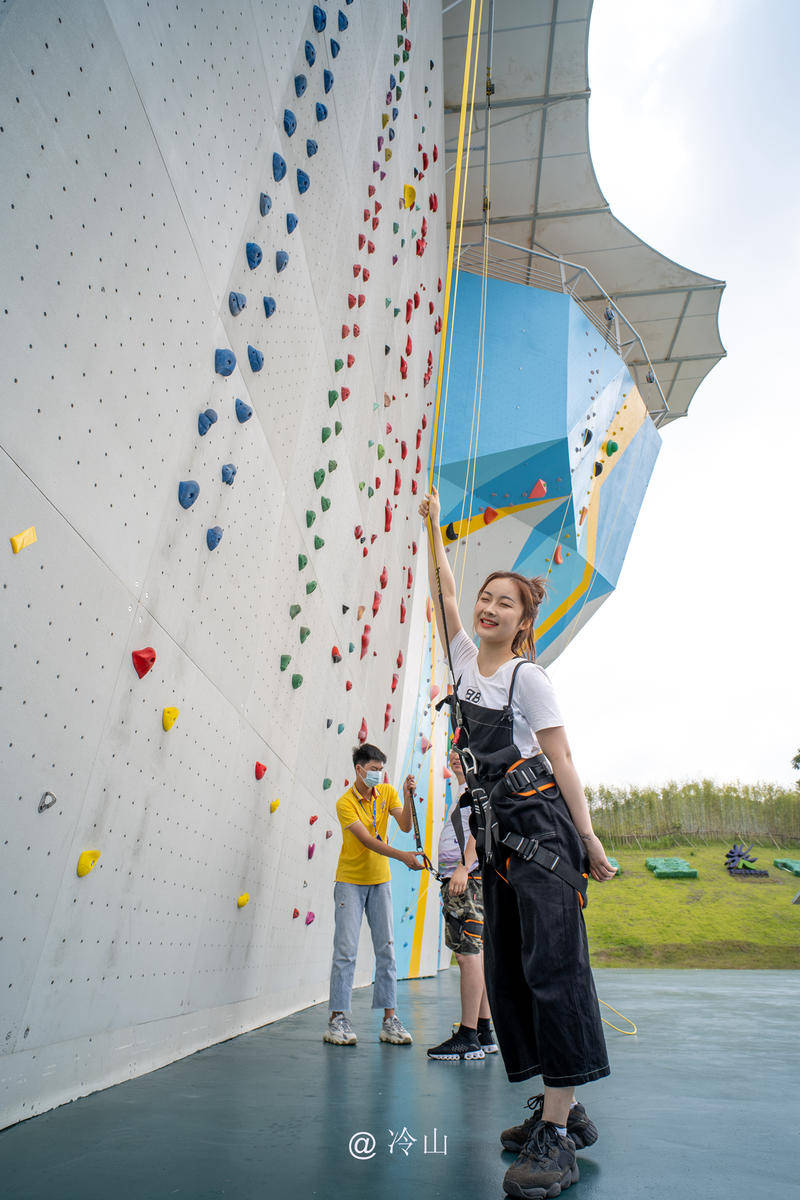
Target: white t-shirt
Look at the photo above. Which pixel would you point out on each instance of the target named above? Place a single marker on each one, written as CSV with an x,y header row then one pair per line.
x,y
533,705
449,856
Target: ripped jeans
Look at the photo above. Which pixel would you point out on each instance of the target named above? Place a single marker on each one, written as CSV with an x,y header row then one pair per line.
x,y
351,901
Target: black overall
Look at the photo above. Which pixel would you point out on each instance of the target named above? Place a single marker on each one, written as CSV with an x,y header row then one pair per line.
x,y
536,957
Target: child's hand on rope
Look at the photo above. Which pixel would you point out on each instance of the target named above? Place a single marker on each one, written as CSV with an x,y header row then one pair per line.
x,y
430,506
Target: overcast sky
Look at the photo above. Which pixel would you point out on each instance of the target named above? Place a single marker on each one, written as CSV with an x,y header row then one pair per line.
x,y
692,669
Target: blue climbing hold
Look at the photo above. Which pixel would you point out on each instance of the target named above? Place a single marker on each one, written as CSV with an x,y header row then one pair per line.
x,y
291,222
188,491
213,537
342,21
289,122
243,412
269,305
311,147
391,134
228,473
395,113
253,255
278,167
327,78
322,112
300,83
256,358
320,18
335,48
205,420
392,83
281,259
224,362
302,182
311,54
236,302
264,203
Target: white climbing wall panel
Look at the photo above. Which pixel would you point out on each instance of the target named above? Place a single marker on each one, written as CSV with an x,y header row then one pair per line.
x,y
136,140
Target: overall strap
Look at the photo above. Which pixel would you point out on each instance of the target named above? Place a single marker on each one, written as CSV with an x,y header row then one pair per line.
x,y
514,679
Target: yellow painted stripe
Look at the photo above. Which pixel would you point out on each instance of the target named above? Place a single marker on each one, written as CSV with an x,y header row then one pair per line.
x,y
476,524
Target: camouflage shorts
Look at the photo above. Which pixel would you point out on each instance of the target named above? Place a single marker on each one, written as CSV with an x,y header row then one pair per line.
x,y
463,917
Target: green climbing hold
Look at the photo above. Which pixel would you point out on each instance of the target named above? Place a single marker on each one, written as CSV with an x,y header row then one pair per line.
x,y
401,74
340,729
326,783
351,647
311,586
611,448
381,451
318,542
296,681
413,233
319,476
311,517
332,465
294,609
370,492
338,428
362,485
370,443
338,364
395,226
333,396
302,561
395,59
403,21
388,300
402,241
397,312
405,59
400,39
285,660
326,432
325,503
304,633
375,407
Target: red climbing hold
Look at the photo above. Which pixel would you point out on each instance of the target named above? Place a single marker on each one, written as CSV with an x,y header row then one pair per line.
x,y
403,368
399,659
419,438
438,285
433,201
418,467
345,393
357,271
424,227
539,490
356,330
394,682
348,687
345,331
384,577
365,639
435,152
366,274
362,733
361,299
261,770
424,161
387,519
367,214
402,612
311,820
375,222
416,299
336,654
413,547
387,716
409,345
350,360
361,241
490,514
309,918
359,532
437,325
143,660
351,300
371,190
397,482
430,308
295,913
378,207
370,247
311,849
410,578
376,603
558,557
328,834
409,309
413,489
403,450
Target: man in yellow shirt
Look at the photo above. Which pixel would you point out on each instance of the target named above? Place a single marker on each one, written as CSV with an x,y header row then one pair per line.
x,y
363,885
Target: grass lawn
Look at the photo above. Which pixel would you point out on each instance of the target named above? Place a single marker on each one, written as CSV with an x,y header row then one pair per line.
x,y
636,920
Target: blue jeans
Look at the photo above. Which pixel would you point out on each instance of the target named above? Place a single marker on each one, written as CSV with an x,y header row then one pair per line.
x,y
351,901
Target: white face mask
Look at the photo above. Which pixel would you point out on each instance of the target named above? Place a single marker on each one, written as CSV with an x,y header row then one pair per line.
x,y
372,778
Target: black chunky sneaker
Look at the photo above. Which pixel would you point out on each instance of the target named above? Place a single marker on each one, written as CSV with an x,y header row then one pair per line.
x,y
580,1129
488,1041
545,1167
458,1046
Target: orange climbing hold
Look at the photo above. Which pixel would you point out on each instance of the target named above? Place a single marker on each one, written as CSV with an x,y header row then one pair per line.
x,y
558,557
360,612
336,654
428,613
489,515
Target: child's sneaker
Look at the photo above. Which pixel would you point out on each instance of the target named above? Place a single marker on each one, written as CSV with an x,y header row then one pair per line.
x,y
392,1031
487,1040
459,1046
340,1032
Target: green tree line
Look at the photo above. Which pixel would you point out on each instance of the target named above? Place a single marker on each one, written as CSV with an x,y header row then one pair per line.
x,y
699,808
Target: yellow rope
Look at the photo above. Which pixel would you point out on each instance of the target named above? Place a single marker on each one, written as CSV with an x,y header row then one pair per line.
x,y
627,1032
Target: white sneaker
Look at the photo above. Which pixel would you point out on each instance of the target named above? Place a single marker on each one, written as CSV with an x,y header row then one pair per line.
x,y
392,1031
340,1032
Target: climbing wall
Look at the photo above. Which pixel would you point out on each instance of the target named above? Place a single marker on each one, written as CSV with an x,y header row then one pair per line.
x,y
223,251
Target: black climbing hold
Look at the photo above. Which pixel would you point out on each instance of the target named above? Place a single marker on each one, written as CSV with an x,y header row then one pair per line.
x,y
253,255
281,259
320,18
269,305
236,302
302,182
587,436
291,222
328,724
327,78
300,82
224,362
228,473
450,533
278,167
256,358
387,349
213,537
289,122
205,420
342,21
321,111
188,491
598,469
311,54
243,412
345,608
311,147
264,203
335,48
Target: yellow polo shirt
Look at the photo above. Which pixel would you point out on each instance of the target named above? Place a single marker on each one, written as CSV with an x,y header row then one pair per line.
x,y
357,863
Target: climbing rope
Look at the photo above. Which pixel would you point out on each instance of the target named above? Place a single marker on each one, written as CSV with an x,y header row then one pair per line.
x,y
628,1032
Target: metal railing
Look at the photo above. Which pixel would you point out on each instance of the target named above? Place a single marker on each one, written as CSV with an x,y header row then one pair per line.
x,y
534,268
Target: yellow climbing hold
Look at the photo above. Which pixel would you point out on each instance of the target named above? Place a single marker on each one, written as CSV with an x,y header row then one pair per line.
x,y
409,195
243,899
86,861
21,540
169,717
387,154
274,806
384,120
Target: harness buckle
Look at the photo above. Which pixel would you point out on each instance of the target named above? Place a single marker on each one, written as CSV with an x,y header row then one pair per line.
x,y
525,847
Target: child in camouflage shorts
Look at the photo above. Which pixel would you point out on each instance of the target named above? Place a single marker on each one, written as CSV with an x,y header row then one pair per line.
x,y
462,908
